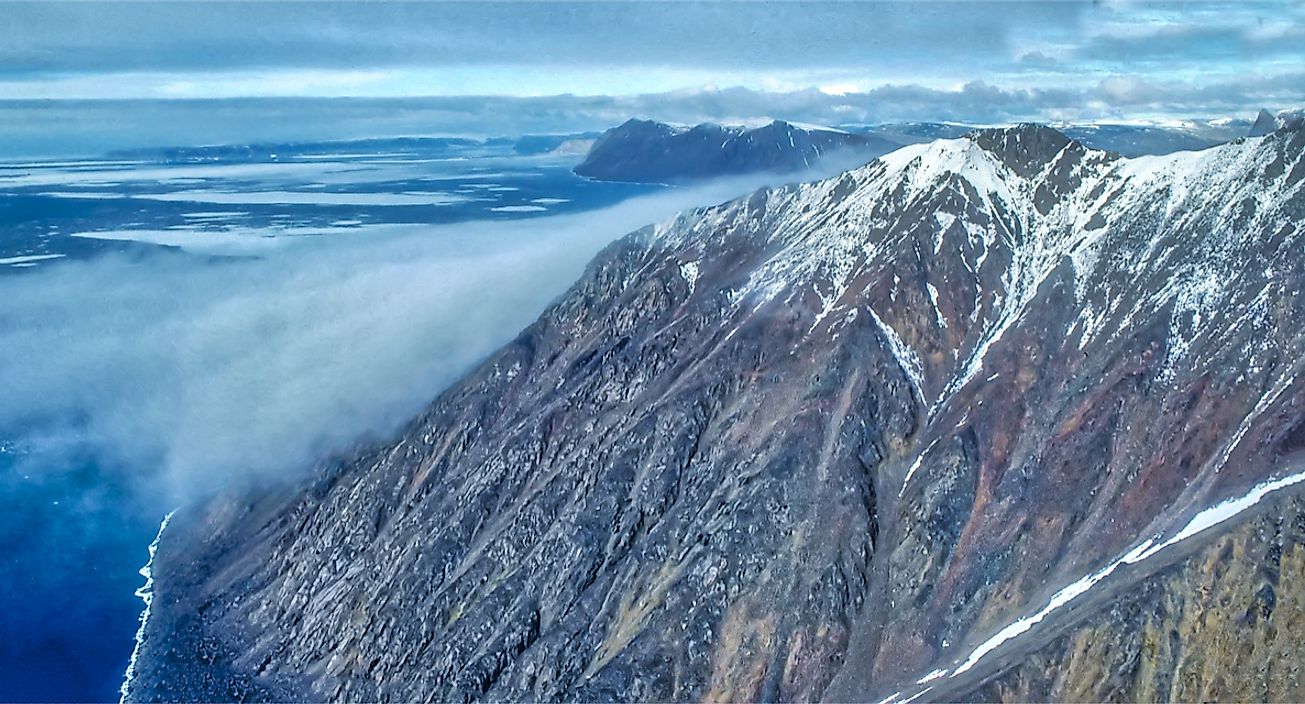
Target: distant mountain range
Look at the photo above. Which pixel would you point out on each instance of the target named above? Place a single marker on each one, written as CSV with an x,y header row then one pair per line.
x,y
655,152
533,144
526,145
291,150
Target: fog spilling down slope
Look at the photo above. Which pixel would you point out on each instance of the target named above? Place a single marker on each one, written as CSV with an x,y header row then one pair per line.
x,y
193,371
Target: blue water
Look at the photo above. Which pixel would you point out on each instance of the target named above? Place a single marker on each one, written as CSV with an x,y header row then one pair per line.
x,y
76,209
72,536
70,546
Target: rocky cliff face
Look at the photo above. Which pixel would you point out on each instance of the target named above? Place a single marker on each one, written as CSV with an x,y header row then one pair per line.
x,y
1268,123
996,417
1221,624
643,151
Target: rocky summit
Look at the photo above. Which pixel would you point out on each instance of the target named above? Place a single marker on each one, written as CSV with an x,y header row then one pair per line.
x,y
991,418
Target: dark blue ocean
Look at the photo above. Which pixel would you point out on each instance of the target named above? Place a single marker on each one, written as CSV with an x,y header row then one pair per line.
x,y
72,536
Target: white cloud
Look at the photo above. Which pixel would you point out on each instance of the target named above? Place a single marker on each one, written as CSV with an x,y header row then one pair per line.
x,y
253,83
195,373
840,89
1125,89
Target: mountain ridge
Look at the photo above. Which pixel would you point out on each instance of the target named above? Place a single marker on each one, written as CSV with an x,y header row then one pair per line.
x,y
870,420
1267,123
656,152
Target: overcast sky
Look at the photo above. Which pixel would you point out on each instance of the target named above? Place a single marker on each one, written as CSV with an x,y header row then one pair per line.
x,y
578,64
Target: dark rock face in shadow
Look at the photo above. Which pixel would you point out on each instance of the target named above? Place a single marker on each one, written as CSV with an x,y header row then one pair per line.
x,y
643,151
820,442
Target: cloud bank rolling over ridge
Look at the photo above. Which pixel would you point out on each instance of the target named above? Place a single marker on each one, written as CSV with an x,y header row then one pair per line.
x,y
190,374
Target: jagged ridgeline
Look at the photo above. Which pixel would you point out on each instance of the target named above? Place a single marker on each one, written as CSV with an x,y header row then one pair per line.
x,y
997,417
643,151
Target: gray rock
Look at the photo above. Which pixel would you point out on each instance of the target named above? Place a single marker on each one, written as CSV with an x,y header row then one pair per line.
x,y
643,151
813,443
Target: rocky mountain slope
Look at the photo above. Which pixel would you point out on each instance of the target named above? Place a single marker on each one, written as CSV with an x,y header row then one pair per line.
x,y
998,417
644,151
1267,122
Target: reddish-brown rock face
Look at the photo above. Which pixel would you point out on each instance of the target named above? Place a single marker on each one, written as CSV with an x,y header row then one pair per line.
x,y
896,434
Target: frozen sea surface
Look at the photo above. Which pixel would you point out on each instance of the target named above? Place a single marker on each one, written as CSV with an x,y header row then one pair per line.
x,y
57,211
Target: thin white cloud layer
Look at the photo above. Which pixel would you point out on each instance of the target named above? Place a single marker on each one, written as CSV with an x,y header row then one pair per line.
x,y
67,128
190,373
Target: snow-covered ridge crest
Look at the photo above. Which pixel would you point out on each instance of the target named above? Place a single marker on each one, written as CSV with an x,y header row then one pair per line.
x,y
1027,193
